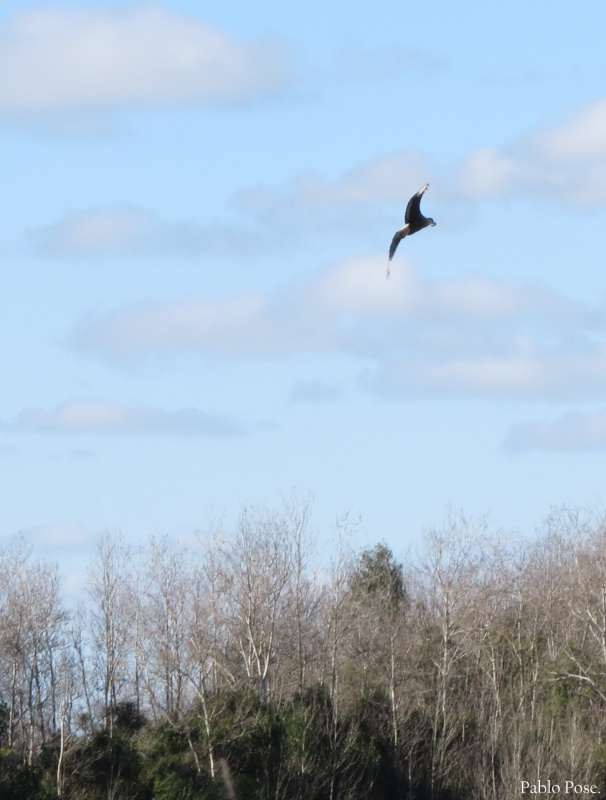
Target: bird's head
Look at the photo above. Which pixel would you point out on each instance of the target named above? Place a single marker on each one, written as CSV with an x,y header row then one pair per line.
x,y
431,223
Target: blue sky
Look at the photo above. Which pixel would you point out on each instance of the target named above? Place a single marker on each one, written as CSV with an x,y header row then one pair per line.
x,y
197,206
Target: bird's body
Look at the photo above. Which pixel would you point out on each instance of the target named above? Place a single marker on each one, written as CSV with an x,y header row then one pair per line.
x,y
414,221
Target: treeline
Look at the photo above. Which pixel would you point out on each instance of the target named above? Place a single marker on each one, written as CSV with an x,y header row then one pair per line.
x,y
241,668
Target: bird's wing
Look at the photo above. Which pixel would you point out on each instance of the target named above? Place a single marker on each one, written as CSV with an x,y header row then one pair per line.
x,y
413,209
395,242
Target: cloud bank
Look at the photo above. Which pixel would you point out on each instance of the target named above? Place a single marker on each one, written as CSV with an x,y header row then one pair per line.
x,y
63,536
566,163
103,417
54,59
474,336
129,230
572,432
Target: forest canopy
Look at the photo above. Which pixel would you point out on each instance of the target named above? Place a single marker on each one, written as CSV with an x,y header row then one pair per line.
x,y
244,667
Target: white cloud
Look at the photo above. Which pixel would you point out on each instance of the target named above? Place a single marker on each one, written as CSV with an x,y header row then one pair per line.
x,y
483,375
584,137
472,336
355,287
97,231
247,324
307,315
488,171
60,536
57,59
566,163
570,432
387,179
358,287
103,417
552,374
130,230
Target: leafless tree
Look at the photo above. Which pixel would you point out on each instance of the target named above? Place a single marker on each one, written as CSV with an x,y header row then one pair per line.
x,y
109,619
256,572
33,641
164,610
450,575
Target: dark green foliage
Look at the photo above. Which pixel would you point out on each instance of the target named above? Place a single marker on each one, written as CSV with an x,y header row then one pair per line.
x,y
3,724
368,749
18,781
105,766
563,690
167,764
127,717
294,750
297,749
379,578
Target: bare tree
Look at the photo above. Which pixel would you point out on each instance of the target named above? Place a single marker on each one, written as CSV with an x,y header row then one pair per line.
x,y
303,598
449,574
32,645
109,619
164,610
256,572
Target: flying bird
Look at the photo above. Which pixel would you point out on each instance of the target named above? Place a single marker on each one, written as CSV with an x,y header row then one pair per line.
x,y
413,221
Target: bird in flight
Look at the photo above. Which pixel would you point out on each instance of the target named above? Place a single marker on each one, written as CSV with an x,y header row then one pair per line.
x,y
413,221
